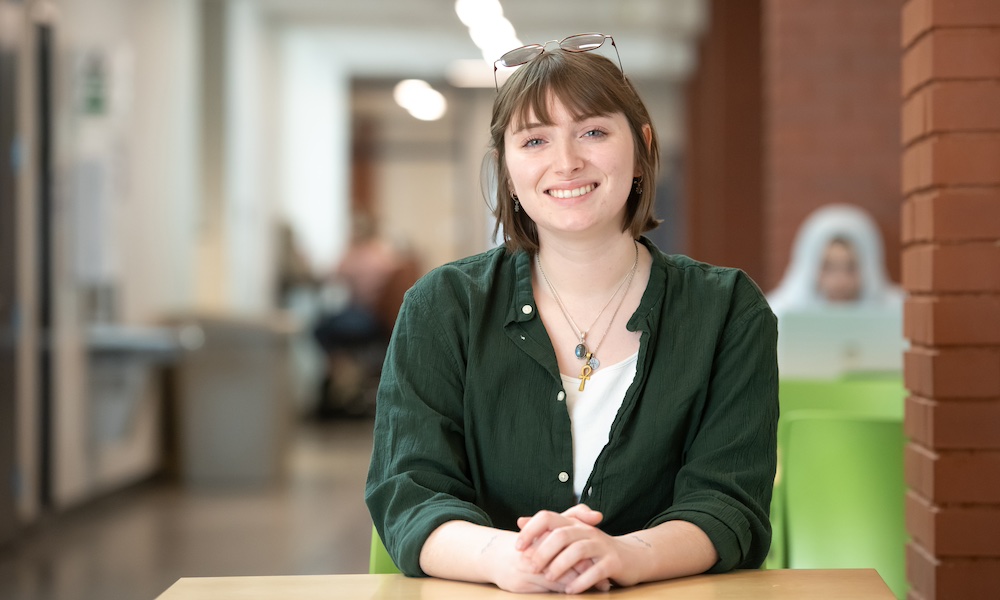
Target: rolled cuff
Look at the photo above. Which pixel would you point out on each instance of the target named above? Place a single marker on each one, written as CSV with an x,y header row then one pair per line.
x,y
729,532
405,543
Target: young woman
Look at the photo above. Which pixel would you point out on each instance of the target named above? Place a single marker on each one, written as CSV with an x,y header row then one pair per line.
x,y
576,409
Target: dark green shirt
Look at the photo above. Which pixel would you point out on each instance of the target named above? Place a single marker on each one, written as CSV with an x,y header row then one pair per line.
x,y
472,424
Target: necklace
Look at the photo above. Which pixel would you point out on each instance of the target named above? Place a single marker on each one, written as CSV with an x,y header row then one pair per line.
x,y
591,363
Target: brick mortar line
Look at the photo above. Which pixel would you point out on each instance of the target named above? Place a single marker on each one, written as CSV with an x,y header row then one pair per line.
x,y
949,243
923,550
961,186
979,505
956,294
930,82
949,400
961,452
959,347
936,133
954,400
932,29
965,186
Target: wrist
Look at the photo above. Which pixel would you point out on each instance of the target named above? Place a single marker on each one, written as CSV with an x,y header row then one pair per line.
x,y
495,554
638,559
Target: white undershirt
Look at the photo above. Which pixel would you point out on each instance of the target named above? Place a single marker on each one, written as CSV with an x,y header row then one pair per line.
x,y
592,411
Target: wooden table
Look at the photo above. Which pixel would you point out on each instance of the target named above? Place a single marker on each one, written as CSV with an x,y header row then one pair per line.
x,y
853,584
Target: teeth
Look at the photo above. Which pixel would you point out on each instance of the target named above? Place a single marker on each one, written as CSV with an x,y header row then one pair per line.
x,y
563,194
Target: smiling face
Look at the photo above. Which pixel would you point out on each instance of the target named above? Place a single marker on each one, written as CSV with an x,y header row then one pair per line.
x,y
574,174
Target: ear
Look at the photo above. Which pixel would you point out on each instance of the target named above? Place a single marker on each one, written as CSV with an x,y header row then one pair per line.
x,y
647,136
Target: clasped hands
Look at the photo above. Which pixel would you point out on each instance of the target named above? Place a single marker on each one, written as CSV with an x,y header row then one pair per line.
x,y
566,552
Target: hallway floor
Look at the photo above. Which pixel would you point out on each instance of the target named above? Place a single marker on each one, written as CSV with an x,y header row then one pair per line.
x,y
136,543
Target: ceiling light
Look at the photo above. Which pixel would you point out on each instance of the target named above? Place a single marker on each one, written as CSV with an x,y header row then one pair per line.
x,y
420,99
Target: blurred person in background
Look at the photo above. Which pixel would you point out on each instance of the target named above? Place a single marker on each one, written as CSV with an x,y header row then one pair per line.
x,y
375,274
837,259
294,274
575,409
297,291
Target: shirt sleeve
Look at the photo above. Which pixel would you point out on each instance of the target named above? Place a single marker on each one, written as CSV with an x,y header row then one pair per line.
x,y
724,486
418,478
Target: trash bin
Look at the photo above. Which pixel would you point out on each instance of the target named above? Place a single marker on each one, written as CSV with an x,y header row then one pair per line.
x,y
231,400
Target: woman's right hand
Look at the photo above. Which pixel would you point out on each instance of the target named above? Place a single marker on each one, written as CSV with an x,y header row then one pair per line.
x,y
510,570
466,552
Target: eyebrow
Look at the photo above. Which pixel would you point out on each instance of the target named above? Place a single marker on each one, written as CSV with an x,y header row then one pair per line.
x,y
536,125
527,126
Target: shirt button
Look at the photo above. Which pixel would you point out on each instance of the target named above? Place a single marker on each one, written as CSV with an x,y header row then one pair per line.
x,y
526,309
564,476
590,491
561,396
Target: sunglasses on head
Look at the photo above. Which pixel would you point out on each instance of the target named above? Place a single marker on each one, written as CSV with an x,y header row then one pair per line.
x,y
580,42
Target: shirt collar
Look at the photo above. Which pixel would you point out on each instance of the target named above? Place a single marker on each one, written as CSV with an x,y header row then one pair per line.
x,y
644,317
523,306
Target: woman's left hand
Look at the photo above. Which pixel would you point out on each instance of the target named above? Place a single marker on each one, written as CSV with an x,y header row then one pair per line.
x,y
557,544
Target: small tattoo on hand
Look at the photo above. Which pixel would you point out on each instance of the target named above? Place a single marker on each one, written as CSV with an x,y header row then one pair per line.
x,y
488,544
641,541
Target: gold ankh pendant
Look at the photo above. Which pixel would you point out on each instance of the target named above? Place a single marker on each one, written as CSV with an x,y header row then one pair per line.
x,y
585,375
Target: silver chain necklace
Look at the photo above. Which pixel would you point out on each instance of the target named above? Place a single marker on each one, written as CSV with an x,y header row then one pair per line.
x,y
591,363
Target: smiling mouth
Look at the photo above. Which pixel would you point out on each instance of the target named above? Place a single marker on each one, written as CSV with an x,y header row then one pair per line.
x,y
564,194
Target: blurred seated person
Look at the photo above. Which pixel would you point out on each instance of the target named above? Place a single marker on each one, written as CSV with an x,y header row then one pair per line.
x,y
837,259
837,310
294,273
376,273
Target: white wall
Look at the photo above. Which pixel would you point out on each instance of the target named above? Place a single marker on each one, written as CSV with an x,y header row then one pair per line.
x,y
125,203
248,212
161,212
314,146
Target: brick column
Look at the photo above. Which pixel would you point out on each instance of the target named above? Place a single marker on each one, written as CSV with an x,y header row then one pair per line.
x,y
951,269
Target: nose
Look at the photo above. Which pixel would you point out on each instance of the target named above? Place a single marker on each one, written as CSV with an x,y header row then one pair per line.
x,y
568,158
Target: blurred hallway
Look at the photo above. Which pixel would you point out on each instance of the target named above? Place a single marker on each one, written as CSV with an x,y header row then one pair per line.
x,y
137,542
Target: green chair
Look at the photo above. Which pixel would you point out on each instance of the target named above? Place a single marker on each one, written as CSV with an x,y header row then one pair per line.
x,y
379,561
879,396
843,493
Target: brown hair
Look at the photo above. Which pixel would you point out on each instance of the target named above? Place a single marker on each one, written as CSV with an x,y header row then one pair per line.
x,y
587,84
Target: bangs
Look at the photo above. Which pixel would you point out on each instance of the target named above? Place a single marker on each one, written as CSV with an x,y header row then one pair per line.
x,y
552,80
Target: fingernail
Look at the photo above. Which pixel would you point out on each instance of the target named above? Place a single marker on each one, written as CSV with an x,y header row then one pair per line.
x,y
519,545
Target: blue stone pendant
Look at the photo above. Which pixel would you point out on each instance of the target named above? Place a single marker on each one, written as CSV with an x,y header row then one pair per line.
x,y
581,350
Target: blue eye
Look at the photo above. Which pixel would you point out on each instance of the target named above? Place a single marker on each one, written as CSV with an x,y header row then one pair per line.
x,y
594,133
532,142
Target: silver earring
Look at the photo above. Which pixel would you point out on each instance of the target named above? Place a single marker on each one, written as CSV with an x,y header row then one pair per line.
x,y
637,185
517,203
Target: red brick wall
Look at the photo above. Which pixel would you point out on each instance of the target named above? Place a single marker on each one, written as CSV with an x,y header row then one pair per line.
x,y
831,120
951,268
723,154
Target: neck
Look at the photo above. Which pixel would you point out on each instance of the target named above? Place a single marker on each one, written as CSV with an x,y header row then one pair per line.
x,y
585,270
